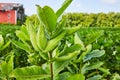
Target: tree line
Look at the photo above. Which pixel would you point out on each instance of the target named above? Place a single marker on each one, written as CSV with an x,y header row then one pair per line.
x,y
110,19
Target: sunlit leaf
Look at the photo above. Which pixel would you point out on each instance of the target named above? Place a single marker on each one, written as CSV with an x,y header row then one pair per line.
x,y
29,73
66,3
77,77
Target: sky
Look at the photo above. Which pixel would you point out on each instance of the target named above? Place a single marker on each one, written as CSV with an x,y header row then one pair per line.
x,y
85,6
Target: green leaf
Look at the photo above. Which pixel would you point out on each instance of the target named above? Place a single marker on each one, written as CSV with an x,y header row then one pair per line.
x,y
95,77
4,68
29,73
69,56
89,66
50,18
7,67
10,64
54,42
41,16
22,46
71,30
77,40
59,28
47,17
77,77
64,75
88,49
93,54
41,37
1,41
23,33
59,66
73,48
24,30
63,61
22,36
66,3
32,32
105,71
6,45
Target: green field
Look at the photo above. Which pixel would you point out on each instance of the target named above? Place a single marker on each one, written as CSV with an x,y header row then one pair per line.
x,y
47,48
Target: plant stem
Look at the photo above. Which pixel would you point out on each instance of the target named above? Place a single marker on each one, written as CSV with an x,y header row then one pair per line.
x,y
7,78
51,66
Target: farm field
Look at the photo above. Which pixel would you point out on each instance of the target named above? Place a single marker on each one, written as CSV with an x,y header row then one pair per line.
x,y
101,39
76,47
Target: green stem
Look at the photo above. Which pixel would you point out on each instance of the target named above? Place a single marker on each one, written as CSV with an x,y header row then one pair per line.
x,y
7,77
51,66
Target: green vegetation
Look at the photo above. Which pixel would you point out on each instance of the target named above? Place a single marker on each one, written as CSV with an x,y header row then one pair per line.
x,y
109,41
47,48
5,29
110,19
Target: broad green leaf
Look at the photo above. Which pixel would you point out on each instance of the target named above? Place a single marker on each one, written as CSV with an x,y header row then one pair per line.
x,y
41,37
50,18
59,66
105,71
7,67
69,56
29,73
89,66
66,3
64,75
25,30
47,17
32,32
10,64
77,77
1,41
22,46
59,28
54,42
71,30
22,36
73,48
23,33
6,45
4,68
63,61
88,49
95,77
77,40
41,16
93,54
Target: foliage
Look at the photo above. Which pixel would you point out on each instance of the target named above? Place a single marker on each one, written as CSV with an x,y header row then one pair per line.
x,y
29,73
46,47
8,32
110,19
5,29
41,41
6,67
88,61
109,41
